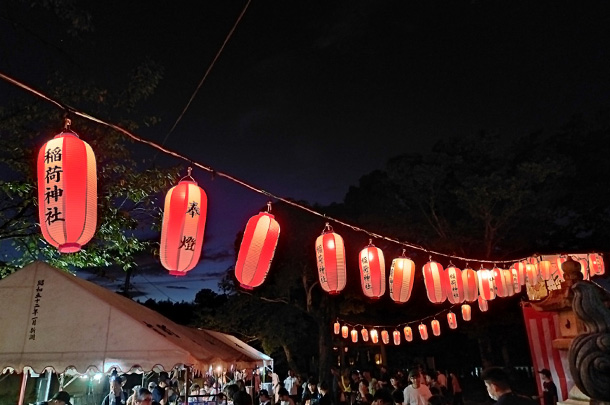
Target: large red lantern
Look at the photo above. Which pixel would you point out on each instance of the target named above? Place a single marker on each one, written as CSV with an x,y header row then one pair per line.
x,y
257,249
402,273
372,271
596,264
471,284
466,312
502,284
365,334
545,269
434,280
516,283
454,285
408,333
184,217
396,335
520,268
330,258
452,320
385,337
510,287
486,284
531,274
67,192
436,327
423,331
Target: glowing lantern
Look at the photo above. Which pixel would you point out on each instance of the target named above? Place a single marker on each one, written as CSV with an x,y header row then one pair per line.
x,y
354,334
423,331
508,278
486,284
531,274
396,335
500,282
408,333
516,283
330,258
520,268
454,285
402,273
471,284
337,328
374,336
466,312
436,327
257,249
365,334
596,264
67,191
344,331
533,260
559,262
483,304
584,268
545,269
434,280
385,337
452,320
372,271
184,217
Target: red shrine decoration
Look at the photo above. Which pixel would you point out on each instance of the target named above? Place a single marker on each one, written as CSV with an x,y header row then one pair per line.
x,y
436,327
330,258
344,331
434,280
483,304
466,312
184,217
365,334
408,333
596,264
402,273
486,285
372,271
257,249
354,334
385,337
454,286
520,268
452,320
374,336
67,191
337,328
396,335
423,331
471,284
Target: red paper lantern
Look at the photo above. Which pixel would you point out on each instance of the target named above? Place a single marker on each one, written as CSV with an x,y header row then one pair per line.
x,y
402,273
559,262
520,268
365,334
508,277
531,274
533,260
454,285
184,217
372,271
584,268
471,284
466,312
67,192
500,282
396,335
596,264
434,280
452,320
257,250
344,331
337,328
330,258
483,304
374,336
436,327
486,284
545,269
423,331
516,283
385,337
408,333
354,334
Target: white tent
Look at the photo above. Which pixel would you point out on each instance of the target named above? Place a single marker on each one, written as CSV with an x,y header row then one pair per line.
x,y
53,319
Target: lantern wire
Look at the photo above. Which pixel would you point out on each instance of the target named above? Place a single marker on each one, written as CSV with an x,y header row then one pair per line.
x,y
247,185
402,324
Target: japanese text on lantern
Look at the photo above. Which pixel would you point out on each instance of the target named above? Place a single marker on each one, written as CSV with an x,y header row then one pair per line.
x,y
35,309
454,286
53,194
321,268
366,270
188,242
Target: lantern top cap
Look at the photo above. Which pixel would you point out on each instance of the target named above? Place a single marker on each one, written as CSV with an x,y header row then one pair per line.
x,y
327,228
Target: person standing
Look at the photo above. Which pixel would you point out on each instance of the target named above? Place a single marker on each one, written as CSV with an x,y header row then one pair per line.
x,y
116,396
61,398
416,393
263,397
456,389
498,387
549,393
291,384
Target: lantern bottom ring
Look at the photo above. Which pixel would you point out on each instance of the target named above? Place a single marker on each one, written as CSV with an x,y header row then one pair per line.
x,y
246,287
177,273
69,247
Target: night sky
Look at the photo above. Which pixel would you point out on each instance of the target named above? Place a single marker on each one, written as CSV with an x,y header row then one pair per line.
x,y
308,96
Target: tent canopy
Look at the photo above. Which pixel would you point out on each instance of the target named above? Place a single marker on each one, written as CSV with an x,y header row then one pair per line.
x,y
54,319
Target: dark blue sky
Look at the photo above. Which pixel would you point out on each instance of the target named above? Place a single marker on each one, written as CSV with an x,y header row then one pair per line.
x,y
308,96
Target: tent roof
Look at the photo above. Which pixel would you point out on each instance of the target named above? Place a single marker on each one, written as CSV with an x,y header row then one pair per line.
x,y
54,319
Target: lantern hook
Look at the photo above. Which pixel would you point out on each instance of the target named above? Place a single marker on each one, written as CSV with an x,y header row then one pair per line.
x,y
268,206
403,252
67,123
327,228
189,170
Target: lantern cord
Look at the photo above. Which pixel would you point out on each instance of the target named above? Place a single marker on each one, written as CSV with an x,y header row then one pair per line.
x,y
207,72
247,185
400,325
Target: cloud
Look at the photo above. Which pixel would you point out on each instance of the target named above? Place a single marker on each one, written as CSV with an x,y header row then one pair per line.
x,y
176,287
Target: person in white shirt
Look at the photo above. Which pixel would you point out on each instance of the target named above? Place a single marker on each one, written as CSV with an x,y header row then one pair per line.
x,y
416,393
291,384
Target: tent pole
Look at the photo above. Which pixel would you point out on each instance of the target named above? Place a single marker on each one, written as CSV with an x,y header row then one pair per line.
x,y
61,381
24,382
186,384
48,387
